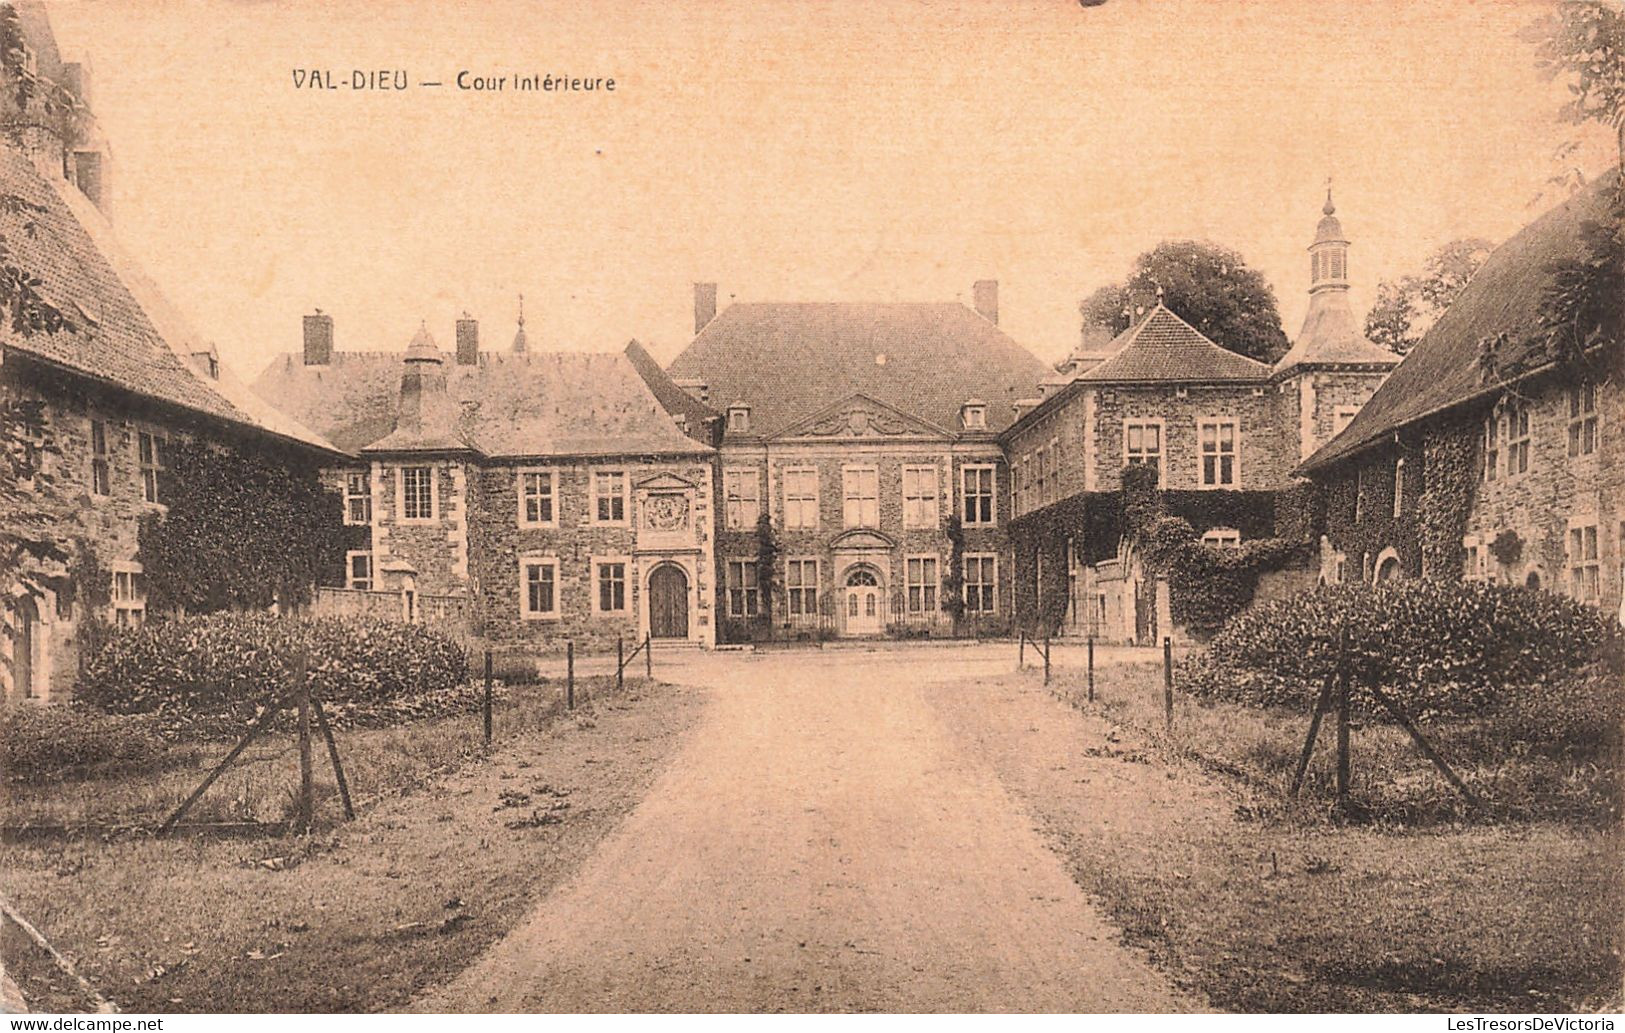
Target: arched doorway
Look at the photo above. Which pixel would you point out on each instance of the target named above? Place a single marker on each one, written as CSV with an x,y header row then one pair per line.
x,y
864,613
23,669
1533,580
668,602
1388,568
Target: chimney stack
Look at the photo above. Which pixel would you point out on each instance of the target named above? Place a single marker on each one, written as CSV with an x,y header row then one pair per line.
x,y
705,305
985,295
468,341
318,339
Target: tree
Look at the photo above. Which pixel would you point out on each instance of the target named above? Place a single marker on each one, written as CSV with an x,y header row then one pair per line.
x,y
1583,43
1405,308
767,562
1208,285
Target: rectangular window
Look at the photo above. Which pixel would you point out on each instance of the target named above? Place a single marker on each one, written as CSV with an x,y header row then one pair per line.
x,y
801,587
150,451
538,498
977,490
539,588
609,496
417,493
1492,448
923,582
1582,419
1399,486
1517,440
357,497
741,490
801,497
1217,439
1222,537
358,570
611,587
100,482
129,596
1142,444
860,490
920,496
1585,571
744,598
980,580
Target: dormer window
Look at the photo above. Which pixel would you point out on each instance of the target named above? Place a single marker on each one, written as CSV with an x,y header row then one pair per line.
x,y
973,414
739,418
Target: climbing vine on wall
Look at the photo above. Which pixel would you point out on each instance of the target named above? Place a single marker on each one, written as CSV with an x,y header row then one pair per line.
x,y
1207,585
1450,480
240,532
953,579
767,565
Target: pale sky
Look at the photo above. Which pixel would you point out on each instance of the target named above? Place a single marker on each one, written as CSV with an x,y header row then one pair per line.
x,y
875,150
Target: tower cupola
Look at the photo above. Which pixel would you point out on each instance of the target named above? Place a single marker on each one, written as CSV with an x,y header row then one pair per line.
x,y
1329,254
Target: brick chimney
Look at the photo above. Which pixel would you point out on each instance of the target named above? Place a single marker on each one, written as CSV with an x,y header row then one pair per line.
x,y
985,295
705,305
468,341
318,339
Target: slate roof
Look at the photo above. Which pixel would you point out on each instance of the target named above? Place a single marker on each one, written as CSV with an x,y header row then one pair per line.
x,y
531,404
788,360
127,335
1504,295
1330,337
675,400
1162,348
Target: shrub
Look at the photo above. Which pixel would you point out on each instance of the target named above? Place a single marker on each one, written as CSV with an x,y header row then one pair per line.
x,y
1442,646
38,742
1208,585
230,665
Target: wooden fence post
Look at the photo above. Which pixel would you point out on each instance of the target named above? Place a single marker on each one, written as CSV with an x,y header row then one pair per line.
x,y
1167,685
1091,667
486,705
620,663
648,656
1046,660
1343,742
1021,650
333,757
307,791
570,675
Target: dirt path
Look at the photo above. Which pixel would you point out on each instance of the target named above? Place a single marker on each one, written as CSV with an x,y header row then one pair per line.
x,y
821,843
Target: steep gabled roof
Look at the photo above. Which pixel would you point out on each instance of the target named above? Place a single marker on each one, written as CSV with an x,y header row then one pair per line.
x,y
126,333
787,360
1330,338
1162,348
676,401
531,404
1504,296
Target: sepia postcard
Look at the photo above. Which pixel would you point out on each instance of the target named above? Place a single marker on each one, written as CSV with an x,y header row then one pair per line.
x,y
920,507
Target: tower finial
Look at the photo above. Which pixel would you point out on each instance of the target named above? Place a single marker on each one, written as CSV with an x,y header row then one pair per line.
x,y
1329,208
521,309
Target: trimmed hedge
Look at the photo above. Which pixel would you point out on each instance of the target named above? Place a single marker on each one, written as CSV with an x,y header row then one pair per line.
x,y
231,664
42,741
1444,647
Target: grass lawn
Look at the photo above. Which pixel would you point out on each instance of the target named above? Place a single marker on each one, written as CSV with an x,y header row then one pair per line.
x,y
364,914
1235,896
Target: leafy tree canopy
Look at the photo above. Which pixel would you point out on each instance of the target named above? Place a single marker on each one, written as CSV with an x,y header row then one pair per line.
x,y
1208,285
1406,307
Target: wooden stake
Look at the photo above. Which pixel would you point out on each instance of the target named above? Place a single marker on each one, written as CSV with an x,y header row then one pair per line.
x,y
570,675
248,738
1091,667
486,704
1168,685
620,663
307,790
1323,702
648,657
333,757
1422,744
1046,661
1021,651
1343,687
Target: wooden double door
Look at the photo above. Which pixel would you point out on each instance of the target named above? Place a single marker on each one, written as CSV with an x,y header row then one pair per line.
x,y
668,602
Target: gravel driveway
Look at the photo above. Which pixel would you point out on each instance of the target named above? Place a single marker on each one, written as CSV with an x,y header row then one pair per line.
x,y
821,843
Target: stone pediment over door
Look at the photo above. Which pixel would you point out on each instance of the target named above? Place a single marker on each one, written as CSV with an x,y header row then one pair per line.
x,y
665,482
861,539
859,418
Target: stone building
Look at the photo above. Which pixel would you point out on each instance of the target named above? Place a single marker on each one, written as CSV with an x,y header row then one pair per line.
x,y
867,435
536,497
113,392
1223,431
1482,457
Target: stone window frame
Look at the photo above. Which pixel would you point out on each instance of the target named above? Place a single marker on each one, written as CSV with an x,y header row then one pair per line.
x,y
150,444
1583,572
1234,423
990,587
1162,444
400,493
1585,429
1222,537
801,500
744,602
101,459
350,579
931,585
992,494
593,474
733,505
803,592
1475,558
934,497
1518,440
598,563
525,611
519,476
847,470
352,497
129,595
